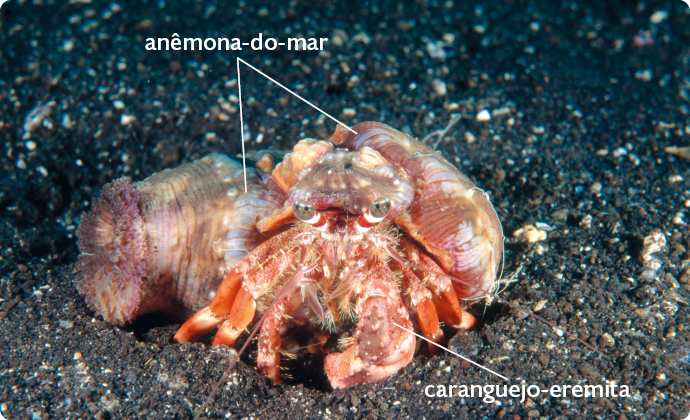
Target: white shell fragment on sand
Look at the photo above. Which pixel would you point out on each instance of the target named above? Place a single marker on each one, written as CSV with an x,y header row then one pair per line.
x,y
483,116
530,234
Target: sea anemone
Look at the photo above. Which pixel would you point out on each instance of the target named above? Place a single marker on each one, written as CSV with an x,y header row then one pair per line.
x,y
114,253
166,242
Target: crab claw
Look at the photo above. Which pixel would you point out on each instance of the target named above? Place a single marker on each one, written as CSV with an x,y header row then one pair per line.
x,y
380,348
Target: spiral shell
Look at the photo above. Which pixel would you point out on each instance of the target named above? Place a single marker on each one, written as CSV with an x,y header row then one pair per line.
x,y
166,242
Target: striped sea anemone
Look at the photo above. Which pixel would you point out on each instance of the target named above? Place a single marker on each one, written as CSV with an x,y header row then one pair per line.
x,y
166,242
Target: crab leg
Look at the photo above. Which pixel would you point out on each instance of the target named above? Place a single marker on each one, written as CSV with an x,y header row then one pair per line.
x,y
288,298
443,294
230,295
241,316
211,316
423,306
235,302
380,348
268,359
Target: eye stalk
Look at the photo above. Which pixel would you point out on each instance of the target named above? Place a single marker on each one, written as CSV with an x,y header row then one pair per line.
x,y
303,210
380,208
377,211
306,213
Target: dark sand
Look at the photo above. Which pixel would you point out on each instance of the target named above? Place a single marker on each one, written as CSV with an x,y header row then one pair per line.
x,y
586,115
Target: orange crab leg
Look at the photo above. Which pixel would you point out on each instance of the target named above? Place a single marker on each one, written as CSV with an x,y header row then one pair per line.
x,y
421,301
234,302
380,348
241,316
215,313
268,359
443,294
428,322
286,301
195,326
227,292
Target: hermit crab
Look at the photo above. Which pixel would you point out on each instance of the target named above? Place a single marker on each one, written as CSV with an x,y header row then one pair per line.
x,y
354,237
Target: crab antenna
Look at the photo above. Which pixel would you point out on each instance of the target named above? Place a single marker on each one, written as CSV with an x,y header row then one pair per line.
x,y
377,211
559,330
232,364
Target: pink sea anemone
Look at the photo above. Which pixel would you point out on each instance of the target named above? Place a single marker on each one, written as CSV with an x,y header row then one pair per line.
x,y
113,253
165,243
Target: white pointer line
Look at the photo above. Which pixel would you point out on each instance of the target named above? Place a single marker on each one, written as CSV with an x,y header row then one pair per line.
x,y
244,162
303,100
452,352
239,87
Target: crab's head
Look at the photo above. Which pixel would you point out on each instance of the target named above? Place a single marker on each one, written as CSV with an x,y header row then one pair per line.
x,y
338,183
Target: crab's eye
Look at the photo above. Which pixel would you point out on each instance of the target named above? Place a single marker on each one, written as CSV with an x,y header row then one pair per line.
x,y
380,208
303,210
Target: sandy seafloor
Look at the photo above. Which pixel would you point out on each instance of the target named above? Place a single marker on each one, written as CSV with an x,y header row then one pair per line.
x,y
583,111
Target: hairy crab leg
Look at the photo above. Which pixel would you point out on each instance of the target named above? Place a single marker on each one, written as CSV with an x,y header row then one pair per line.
x,y
380,348
268,359
423,306
231,295
442,291
241,315
288,298
232,364
559,331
